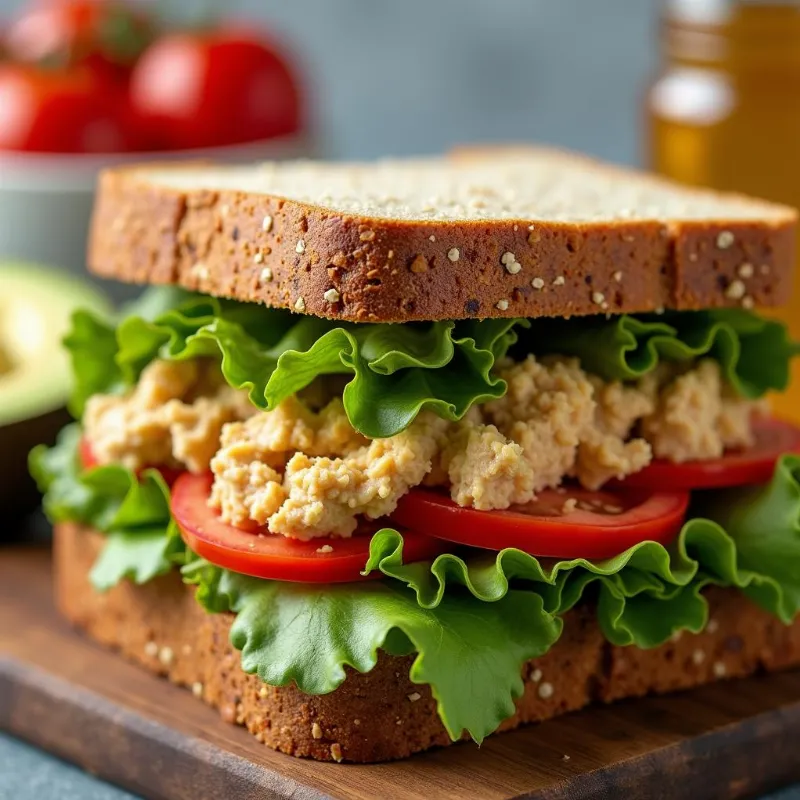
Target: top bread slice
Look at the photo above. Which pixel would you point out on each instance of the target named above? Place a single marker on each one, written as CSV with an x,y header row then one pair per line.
x,y
527,233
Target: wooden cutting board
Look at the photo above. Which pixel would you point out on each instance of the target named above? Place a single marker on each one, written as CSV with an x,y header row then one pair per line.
x,y
85,704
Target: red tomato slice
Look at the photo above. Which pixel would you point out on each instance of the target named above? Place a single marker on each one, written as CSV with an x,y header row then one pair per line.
x,y
277,557
89,461
602,525
87,455
754,465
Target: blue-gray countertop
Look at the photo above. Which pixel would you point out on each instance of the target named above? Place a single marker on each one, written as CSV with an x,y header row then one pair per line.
x,y
30,774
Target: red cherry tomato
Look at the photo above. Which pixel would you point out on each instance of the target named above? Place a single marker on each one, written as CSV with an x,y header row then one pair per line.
x,y
272,556
59,112
754,465
214,88
603,524
104,35
89,461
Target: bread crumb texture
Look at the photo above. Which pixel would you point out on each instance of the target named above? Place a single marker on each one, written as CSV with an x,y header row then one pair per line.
x,y
534,186
302,471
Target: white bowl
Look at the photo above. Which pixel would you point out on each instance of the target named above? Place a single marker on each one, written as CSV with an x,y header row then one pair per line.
x,y
46,199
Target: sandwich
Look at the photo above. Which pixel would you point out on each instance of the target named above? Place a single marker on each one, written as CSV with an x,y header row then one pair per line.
x,y
389,455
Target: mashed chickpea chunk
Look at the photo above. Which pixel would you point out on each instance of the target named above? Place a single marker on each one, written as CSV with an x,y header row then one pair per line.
x,y
307,473
173,416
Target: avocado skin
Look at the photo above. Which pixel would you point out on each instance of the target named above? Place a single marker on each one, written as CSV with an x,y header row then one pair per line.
x,y
18,492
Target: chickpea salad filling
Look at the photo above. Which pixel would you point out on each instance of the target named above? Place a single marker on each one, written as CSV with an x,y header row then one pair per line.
x,y
493,473
303,471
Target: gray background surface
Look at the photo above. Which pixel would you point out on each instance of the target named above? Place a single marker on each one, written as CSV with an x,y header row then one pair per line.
x,y
398,77
418,75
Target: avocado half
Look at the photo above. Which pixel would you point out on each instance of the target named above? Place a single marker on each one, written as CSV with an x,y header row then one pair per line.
x,y
36,304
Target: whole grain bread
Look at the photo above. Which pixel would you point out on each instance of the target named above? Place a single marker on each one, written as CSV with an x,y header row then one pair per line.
x,y
382,715
524,232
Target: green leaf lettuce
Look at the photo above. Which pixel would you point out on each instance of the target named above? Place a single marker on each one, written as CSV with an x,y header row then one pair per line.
x,y
395,371
442,366
748,541
469,652
754,352
142,541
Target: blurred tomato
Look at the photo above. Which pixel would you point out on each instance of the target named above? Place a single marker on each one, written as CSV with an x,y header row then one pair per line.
x,y
60,112
104,35
211,88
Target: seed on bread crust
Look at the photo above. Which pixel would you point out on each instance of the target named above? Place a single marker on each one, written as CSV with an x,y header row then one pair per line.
x,y
546,690
419,264
725,240
736,290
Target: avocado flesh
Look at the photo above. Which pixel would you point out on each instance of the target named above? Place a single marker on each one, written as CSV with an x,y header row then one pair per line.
x,y
36,304
6,364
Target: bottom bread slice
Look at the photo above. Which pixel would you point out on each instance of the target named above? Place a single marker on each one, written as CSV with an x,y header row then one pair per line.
x,y
382,715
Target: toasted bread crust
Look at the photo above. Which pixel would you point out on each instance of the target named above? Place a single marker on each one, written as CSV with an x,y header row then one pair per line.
x,y
382,715
385,270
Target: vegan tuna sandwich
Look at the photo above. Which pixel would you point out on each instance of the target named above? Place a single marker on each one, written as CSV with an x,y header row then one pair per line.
x,y
441,447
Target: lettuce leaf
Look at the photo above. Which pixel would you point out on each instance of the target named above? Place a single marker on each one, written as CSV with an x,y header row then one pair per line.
x,y
754,352
765,525
470,653
396,371
92,347
642,574
748,540
142,540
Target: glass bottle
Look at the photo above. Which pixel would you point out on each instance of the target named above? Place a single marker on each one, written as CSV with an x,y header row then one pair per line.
x,y
725,111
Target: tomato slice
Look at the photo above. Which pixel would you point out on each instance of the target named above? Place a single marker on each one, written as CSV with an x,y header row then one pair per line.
x,y
277,557
87,455
89,461
754,465
602,524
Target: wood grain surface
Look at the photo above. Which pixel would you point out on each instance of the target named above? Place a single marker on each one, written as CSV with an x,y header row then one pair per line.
x,y
87,705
